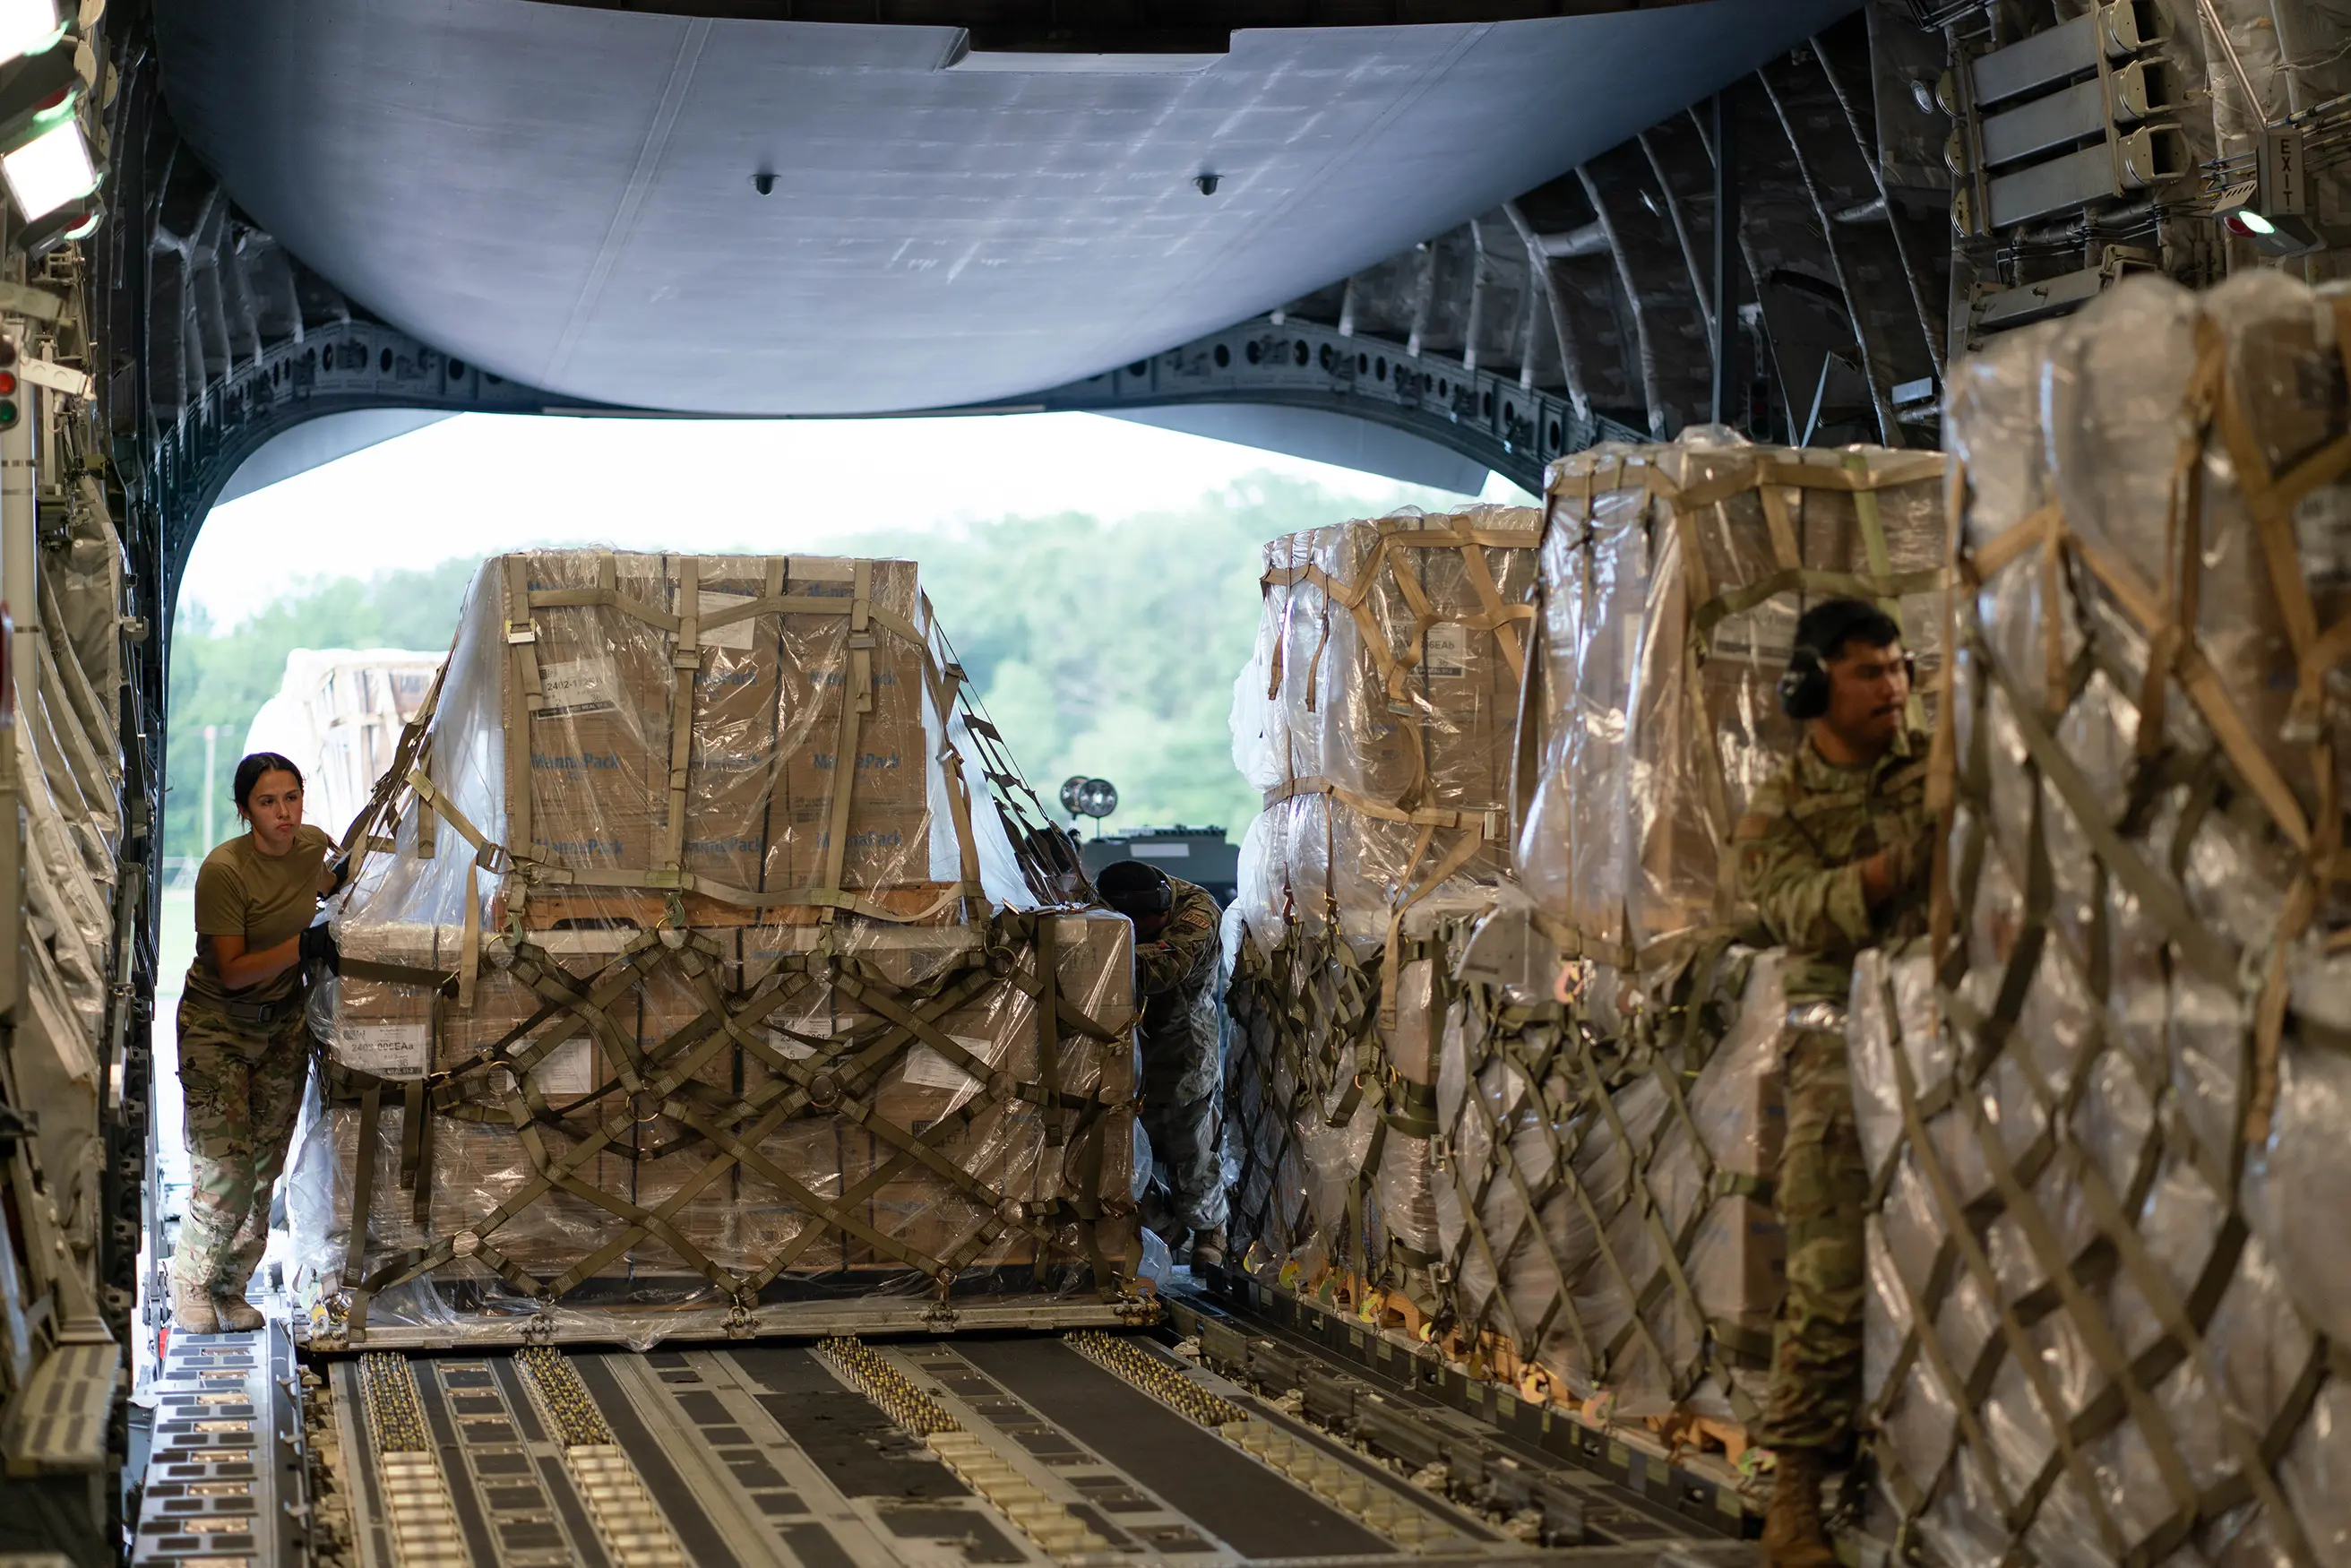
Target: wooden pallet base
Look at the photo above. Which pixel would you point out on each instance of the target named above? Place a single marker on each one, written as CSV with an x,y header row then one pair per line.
x,y
556,909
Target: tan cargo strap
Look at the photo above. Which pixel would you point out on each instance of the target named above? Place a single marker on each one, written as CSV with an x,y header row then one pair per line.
x,y
1488,826
2085,584
685,664
1585,476
1394,670
663,1071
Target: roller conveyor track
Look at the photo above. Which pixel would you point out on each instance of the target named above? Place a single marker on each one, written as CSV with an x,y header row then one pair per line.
x,y
926,1453
225,1484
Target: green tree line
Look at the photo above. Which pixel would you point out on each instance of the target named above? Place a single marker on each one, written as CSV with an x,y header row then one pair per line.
x,y
223,677
1101,647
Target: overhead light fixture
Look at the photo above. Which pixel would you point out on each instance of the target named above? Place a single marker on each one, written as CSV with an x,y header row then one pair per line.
x,y
52,169
43,159
76,220
29,28
2249,212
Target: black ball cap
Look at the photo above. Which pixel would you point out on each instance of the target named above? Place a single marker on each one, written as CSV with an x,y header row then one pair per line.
x,y
1135,889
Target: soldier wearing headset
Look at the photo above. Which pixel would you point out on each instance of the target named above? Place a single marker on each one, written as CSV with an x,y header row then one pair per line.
x,y
1835,854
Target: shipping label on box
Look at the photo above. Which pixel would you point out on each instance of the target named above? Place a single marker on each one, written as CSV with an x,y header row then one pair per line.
x,y
588,685
399,1048
740,636
1445,652
569,1069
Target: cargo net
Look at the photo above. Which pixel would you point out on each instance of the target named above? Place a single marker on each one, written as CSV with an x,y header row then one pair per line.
x,y
1604,1202
680,970
1375,715
2107,1287
1603,1188
1330,1138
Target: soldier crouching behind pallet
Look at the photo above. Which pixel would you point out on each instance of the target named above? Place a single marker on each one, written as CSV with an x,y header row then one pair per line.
x,y
1177,954
245,1048
1835,853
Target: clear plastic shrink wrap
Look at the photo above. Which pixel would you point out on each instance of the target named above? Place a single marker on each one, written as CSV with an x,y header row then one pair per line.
x,y
1377,716
2105,1280
1606,1205
684,967
1672,579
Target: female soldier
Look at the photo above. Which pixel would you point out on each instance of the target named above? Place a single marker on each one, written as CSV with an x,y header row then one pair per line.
x,y
245,1052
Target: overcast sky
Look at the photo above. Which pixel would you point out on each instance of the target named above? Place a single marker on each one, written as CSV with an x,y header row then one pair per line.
x,y
480,484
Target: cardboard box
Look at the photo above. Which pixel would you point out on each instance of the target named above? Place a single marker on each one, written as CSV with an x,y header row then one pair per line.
x,y
473,1169
766,703
591,802
757,816
734,765
817,672
884,848
891,767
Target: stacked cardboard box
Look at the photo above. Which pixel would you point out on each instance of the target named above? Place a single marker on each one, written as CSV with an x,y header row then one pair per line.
x,y
744,1217
1376,716
1673,579
1614,1134
677,1045
752,788
2105,1282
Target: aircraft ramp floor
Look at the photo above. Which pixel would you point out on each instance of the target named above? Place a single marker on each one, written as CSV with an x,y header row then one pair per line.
x,y
1087,1449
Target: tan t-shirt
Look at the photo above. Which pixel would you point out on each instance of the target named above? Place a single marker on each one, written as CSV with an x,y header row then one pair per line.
x,y
265,899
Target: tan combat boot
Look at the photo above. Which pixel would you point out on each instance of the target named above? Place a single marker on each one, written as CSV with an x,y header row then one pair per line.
x,y
236,1315
192,1308
1793,1534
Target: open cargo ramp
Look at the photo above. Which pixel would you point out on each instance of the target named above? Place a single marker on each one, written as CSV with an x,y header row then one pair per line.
x,y
1086,1449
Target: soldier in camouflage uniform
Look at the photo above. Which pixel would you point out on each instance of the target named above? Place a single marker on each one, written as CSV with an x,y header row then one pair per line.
x,y
1177,962
1835,853
245,1046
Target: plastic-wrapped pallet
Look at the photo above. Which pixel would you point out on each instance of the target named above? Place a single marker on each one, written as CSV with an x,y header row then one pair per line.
x,y
339,715
1673,577
2107,1289
683,969
1605,1204
1377,716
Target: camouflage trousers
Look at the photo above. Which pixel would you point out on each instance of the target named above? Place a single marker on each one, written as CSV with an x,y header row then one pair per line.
x,y
1184,1152
243,1087
1183,1116
1823,1193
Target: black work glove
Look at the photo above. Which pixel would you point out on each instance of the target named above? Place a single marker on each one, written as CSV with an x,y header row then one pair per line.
x,y
319,950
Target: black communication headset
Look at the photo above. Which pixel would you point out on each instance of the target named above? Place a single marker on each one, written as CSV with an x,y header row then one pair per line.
x,y
1805,684
1157,896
